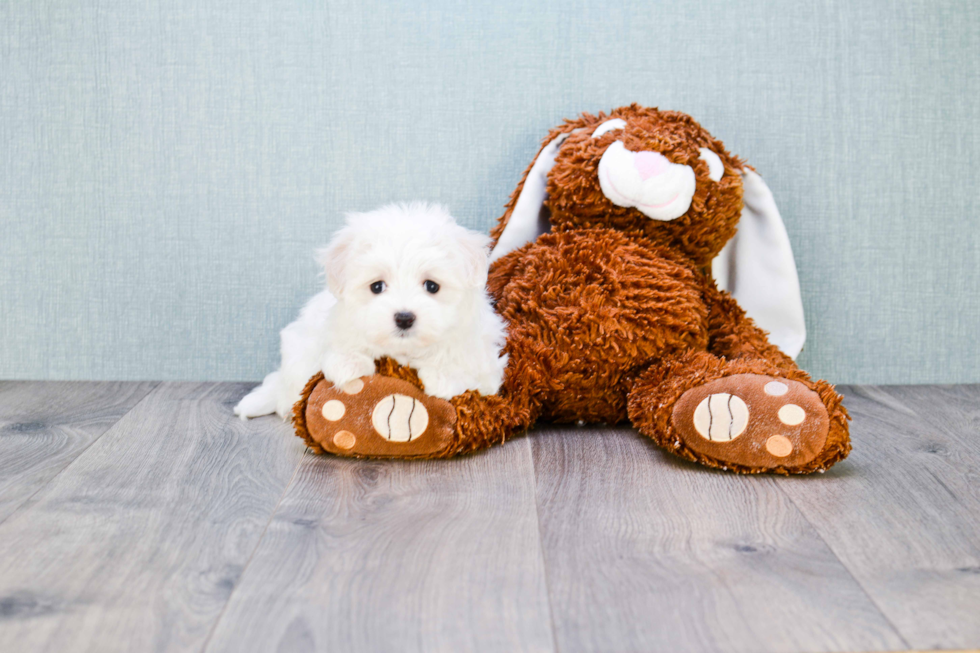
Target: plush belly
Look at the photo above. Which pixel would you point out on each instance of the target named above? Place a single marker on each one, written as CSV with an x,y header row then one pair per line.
x,y
589,308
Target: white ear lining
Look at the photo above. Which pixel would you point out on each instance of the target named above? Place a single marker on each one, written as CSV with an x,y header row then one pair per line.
x,y
757,268
526,220
715,167
608,126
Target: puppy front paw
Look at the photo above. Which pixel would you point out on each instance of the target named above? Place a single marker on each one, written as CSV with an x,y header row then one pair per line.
x,y
341,369
443,386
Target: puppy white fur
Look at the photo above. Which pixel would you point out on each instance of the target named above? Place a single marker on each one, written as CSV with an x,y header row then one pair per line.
x,y
403,281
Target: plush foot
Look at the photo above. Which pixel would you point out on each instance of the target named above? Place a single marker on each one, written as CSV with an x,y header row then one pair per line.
x,y
754,423
374,416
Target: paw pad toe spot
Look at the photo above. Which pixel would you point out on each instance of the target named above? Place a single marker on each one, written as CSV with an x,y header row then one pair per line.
x,y
344,439
776,388
779,446
353,387
791,415
333,410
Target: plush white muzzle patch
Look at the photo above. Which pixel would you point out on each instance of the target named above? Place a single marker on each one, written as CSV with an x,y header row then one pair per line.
x,y
659,189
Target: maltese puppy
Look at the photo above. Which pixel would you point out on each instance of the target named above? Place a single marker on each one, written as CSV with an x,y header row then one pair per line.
x,y
404,281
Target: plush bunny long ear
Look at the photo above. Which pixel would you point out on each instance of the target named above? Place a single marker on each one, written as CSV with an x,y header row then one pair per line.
x,y
528,220
757,268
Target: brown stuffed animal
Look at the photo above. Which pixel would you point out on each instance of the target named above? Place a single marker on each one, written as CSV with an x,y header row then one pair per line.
x,y
601,270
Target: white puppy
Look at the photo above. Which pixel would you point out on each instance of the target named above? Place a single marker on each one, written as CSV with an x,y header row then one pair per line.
x,y
403,281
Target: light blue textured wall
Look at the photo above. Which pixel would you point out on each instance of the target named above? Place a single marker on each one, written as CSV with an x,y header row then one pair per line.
x,y
167,167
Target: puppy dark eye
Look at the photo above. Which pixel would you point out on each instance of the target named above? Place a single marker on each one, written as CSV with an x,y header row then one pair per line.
x,y
432,287
378,287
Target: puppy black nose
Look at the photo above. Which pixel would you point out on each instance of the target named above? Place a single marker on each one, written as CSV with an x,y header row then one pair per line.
x,y
404,320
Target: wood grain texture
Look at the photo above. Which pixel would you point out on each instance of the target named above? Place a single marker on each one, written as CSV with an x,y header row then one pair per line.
x,y
953,409
398,556
178,527
645,552
45,425
903,512
138,544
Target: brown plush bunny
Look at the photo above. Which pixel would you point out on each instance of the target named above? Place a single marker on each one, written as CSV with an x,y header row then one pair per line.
x,y
600,269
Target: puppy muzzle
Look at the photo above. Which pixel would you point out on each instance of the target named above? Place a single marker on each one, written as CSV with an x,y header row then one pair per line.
x,y
404,320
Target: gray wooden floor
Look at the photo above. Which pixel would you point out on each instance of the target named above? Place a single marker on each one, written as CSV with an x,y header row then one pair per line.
x,y
143,516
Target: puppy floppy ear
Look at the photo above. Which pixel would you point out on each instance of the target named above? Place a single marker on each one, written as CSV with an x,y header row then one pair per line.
x,y
473,254
334,257
756,267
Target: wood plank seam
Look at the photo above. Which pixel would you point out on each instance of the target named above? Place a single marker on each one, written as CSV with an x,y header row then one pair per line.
x,y
27,502
864,590
544,562
258,543
681,550
138,545
902,513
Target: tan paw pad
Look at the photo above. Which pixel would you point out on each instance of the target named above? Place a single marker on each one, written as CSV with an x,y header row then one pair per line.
x,y
752,421
379,416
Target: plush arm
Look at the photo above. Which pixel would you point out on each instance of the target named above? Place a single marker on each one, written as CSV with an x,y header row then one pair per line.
x,y
501,271
733,335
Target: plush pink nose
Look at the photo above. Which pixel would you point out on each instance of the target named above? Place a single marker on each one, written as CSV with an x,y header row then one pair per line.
x,y
650,164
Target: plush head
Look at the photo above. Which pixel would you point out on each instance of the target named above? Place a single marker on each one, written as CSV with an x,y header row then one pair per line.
x,y
404,276
654,172
662,176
